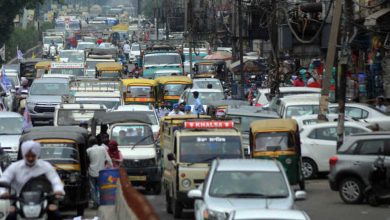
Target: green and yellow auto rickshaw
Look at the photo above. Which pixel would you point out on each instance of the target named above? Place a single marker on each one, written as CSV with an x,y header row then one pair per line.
x,y
278,139
169,89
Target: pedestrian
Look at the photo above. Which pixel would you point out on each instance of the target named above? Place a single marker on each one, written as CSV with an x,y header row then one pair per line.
x,y
126,50
20,172
115,155
187,110
98,160
176,110
380,104
103,135
198,107
299,81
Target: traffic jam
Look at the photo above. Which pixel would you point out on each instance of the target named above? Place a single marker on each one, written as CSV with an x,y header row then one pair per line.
x,y
110,91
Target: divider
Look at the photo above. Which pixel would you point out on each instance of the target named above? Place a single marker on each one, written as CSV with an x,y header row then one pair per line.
x,y
130,204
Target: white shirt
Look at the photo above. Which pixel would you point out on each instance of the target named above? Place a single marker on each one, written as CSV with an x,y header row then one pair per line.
x,y
126,48
173,113
18,174
97,156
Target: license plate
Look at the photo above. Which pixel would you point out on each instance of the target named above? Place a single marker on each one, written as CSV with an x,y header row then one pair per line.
x,y
137,178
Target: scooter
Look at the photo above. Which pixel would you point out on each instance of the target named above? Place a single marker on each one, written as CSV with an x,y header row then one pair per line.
x,y
34,199
378,191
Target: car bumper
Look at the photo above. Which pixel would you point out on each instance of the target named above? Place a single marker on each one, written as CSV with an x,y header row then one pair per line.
x,y
332,183
144,176
45,116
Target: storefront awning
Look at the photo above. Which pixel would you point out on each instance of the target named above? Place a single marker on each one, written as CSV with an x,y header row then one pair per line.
x,y
371,20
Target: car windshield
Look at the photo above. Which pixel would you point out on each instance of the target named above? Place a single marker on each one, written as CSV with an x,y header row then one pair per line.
x,y
128,135
174,89
49,89
162,59
139,92
56,40
204,149
68,71
110,103
11,126
241,184
72,56
74,117
207,98
270,141
205,68
59,152
215,84
300,110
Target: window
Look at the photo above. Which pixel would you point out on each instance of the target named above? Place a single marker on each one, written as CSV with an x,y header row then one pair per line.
x,y
352,130
266,141
356,113
370,147
300,110
329,134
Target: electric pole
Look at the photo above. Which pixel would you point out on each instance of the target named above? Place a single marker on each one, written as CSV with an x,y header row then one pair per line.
x,y
242,89
330,59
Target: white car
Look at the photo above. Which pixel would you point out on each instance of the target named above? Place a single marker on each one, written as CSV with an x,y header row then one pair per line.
x,y
202,83
318,144
305,120
365,113
263,97
266,214
207,97
144,109
135,52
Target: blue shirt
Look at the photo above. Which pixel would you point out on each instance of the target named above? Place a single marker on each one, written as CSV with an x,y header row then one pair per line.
x,y
198,107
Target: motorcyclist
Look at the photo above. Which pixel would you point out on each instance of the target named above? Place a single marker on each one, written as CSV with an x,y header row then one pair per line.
x,y
53,49
136,71
24,88
20,172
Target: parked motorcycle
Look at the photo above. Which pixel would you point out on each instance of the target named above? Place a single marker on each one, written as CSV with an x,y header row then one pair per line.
x,y
378,191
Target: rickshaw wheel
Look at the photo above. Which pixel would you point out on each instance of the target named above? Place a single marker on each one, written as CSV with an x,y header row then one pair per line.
x,y
302,184
177,208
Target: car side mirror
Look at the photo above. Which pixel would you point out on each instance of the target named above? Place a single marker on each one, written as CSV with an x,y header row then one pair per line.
x,y
300,195
195,194
171,157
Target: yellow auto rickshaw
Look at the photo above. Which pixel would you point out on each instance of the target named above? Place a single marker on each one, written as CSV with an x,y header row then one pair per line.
x,y
278,139
42,68
109,70
169,89
139,91
211,69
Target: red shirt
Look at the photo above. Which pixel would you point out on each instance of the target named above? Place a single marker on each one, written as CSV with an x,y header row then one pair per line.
x,y
314,84
299,83
99,41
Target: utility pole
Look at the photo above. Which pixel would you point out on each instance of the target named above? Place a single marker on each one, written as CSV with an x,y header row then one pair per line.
x,y
242,78
274,38
330,58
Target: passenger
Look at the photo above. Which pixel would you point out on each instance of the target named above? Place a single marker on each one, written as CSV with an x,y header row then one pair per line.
x,y
175,111
122,140
187,110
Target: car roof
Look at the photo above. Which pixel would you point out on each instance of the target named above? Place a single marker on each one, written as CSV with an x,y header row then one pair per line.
x,y
10,115
326,124
203,90
247,165
206,79
135,108
258,214
51,80
293,89
80,106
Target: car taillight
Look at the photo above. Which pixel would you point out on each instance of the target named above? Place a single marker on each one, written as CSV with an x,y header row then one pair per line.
x,y
333,161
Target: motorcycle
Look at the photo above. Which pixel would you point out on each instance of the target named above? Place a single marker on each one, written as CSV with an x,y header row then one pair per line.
x,y
52,52
22,100
378,191
34,199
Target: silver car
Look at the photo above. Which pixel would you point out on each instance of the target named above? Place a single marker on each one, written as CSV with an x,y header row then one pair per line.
x,y
237,184
267,214
11,128
351,166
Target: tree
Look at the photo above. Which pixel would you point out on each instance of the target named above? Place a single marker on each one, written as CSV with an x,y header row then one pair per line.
x,y
9,9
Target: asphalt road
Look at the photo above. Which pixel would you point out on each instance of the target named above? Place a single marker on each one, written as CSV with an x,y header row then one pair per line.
x,y
321,204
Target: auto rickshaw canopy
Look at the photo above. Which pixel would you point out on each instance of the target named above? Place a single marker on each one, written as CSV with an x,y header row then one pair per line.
x,y
109,66
173,80
77,134
272,125
44,65
139,82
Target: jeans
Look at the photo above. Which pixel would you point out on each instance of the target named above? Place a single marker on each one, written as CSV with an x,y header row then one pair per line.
x,y
94,185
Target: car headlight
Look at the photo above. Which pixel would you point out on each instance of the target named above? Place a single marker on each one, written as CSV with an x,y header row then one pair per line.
x,y
214,215
186,183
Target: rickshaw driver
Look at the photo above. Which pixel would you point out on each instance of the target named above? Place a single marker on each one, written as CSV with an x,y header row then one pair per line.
x,y
20,172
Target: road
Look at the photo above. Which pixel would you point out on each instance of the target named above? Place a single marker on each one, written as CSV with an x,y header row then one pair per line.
x,y
321,204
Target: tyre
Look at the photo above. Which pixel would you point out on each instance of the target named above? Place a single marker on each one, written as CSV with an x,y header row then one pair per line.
x,y
351,190
177,208
309,168
157,188
373,199
168,205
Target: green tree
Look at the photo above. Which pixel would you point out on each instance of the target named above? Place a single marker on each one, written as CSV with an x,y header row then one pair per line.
x,y
9,9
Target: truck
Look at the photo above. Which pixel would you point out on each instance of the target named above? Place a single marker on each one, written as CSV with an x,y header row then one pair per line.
x,y
161,57
189,144
55,36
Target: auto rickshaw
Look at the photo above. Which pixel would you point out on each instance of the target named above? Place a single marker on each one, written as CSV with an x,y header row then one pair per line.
x,y
139,91
109,70
65,148
278,139
211,69
169,89
42,68
27,68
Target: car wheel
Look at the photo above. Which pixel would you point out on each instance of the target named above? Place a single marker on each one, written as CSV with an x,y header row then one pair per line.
x,y
309,168
351,190
168,205
177,208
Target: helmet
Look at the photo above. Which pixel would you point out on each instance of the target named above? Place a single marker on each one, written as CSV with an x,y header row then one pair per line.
x,y
176,106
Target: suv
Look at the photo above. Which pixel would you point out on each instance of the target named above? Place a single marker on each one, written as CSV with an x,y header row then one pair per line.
x,y
45,94
236,184
351,167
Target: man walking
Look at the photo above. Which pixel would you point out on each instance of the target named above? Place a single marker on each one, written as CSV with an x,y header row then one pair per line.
x,y
126,51
198,107
98,160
